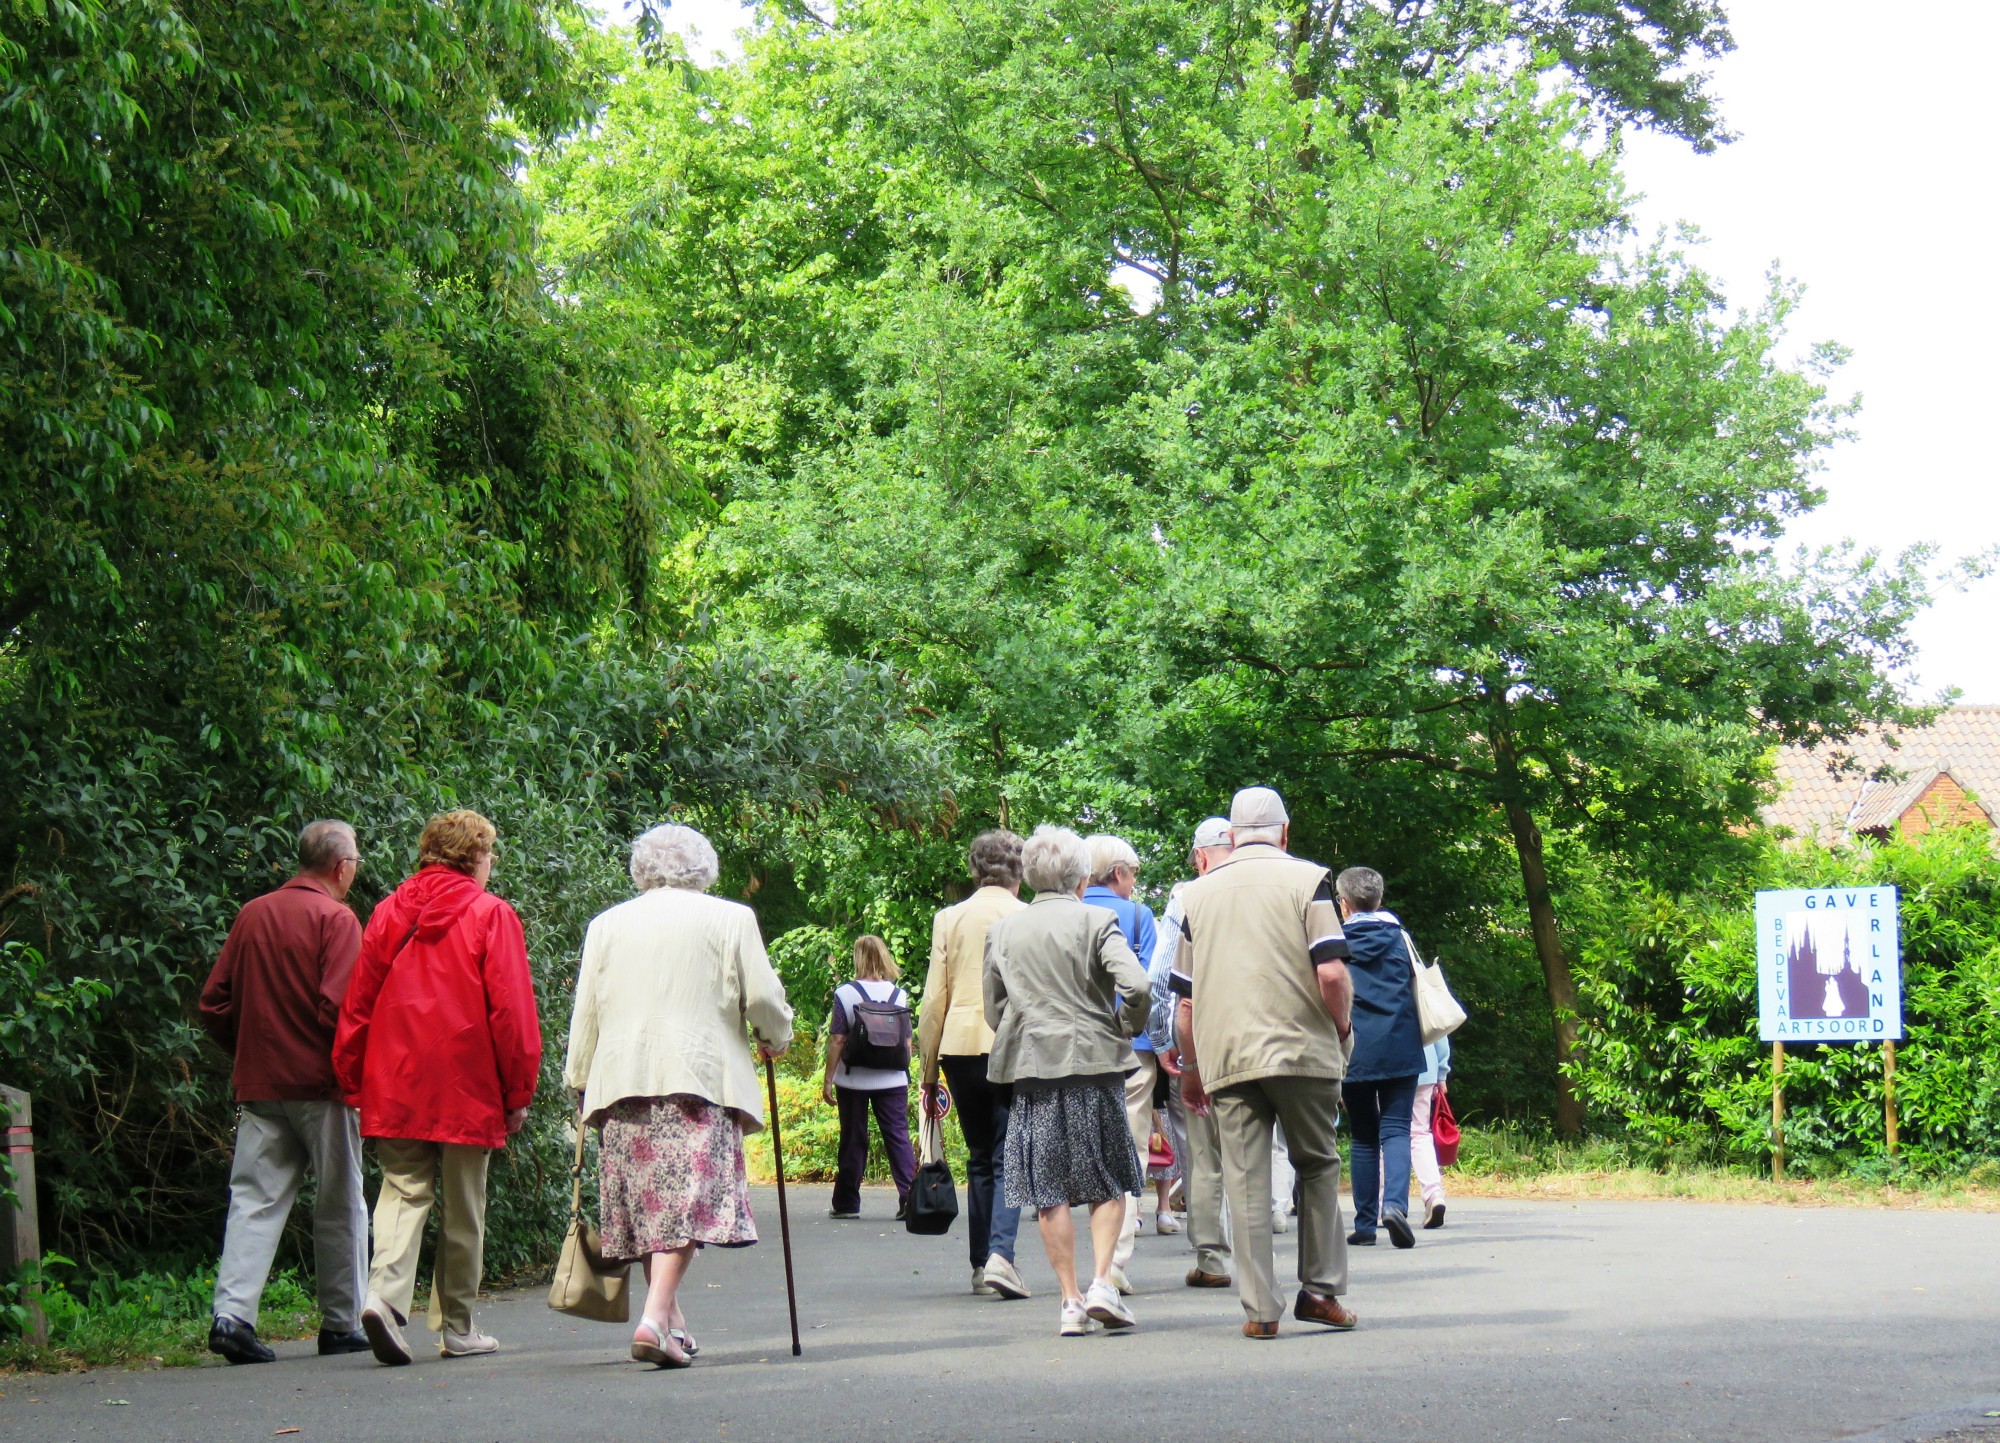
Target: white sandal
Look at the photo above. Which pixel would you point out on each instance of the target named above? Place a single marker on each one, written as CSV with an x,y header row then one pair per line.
x,y
665,1351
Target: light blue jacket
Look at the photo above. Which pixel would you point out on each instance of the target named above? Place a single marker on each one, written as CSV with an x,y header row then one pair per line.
x,y
1437,1062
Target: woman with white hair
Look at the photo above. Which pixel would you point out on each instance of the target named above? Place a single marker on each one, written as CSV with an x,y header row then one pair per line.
x,y
657,1050
1064,996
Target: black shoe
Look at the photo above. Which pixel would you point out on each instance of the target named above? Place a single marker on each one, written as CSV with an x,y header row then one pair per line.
x,y
1361,1240
351,1341
237,1341
903,1211
1398,1228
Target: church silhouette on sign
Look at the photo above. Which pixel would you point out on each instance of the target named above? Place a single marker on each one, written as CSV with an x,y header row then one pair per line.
x,y
1822,985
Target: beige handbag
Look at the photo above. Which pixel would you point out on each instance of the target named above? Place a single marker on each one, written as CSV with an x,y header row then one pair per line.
x,y
585,1286
1438,1012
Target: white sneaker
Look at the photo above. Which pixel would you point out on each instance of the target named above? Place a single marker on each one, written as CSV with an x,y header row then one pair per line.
x,y
979,1284
1166,1224
1075,1321
1280,1221
385,1334
466,1345
1001,1278
1103,1303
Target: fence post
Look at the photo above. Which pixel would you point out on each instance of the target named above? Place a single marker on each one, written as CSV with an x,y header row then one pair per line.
x,y
23,1241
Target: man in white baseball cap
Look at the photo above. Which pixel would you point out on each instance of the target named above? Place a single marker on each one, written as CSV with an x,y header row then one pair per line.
x,y
1194,1137
1265,1030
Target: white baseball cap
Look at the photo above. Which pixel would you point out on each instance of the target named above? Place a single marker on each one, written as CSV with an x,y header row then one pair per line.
x,y
1212,833
1257,807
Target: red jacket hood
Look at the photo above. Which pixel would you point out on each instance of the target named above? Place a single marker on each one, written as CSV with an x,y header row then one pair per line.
x,y
435,899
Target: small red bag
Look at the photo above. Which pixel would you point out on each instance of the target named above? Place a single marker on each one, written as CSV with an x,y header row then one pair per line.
x,y
1444,1128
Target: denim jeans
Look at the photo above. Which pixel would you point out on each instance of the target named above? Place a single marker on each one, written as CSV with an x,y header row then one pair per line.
x,y
1378,1118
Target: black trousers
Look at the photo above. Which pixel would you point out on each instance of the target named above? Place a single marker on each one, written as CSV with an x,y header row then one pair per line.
x,y
982,1116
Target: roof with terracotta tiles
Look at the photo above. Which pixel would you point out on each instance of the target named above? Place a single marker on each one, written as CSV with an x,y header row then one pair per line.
x,y
1838,788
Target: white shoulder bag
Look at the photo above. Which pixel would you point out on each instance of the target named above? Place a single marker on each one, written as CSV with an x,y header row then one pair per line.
x,y
1438,1012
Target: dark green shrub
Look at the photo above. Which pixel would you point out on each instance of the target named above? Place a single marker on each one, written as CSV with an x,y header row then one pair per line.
x,y
1670,1054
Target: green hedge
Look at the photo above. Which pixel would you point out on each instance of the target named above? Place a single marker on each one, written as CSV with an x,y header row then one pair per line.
x,y
1670,1056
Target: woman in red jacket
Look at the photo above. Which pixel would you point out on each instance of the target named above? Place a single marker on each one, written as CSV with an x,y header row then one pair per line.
x,y
440,1048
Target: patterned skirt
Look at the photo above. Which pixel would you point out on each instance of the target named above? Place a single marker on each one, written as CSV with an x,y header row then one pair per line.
x,y
1070,1146
671,1173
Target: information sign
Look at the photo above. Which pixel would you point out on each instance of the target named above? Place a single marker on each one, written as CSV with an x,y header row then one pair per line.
x,y
1829,965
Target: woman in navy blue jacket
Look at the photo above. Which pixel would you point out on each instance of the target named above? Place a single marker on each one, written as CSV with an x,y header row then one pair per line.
x,y
1381,1084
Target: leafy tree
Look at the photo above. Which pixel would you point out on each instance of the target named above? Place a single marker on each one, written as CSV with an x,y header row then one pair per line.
x,y
1410,496
318,498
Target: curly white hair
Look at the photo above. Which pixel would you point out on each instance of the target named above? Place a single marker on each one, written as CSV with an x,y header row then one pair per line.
x,y
674,856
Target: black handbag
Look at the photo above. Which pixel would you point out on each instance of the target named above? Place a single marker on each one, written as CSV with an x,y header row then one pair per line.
x,y
933,1200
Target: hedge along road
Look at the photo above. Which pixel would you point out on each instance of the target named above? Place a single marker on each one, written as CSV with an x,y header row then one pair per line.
x,y
1521,1320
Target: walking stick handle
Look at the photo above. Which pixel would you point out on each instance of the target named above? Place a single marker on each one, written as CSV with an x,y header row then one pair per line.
x,y
784,1216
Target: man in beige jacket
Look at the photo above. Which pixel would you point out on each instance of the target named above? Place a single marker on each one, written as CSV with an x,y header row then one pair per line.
x,y
1265,1031
952,1037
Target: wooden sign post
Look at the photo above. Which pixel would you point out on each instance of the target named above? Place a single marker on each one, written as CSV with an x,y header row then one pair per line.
x,y
1889,1095
1777,1112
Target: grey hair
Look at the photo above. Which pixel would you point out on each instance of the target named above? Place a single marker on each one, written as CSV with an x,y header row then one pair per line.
x,y
1244,836
1360,888
1055,860
321,846
674,856
1107,855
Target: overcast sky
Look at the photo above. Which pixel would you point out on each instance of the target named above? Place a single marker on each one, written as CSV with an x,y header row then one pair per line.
x,y
1863,169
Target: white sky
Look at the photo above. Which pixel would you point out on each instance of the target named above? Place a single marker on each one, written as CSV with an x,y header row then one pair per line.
x,y
1863,170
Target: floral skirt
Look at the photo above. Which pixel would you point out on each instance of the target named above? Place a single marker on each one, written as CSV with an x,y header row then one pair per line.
x,y
671,1173
1069,1146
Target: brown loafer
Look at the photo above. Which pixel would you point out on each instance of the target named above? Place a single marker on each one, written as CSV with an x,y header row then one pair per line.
x,y
1312,1308
1263,1332
1196,1278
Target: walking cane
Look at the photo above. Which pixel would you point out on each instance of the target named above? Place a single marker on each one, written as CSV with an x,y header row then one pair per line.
x,y
784,1217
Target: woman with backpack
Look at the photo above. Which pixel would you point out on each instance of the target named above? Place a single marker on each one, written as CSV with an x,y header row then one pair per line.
x,y
868,1068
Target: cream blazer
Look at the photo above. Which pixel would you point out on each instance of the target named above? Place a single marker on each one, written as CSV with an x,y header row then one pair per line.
x,y
954,1009
669,982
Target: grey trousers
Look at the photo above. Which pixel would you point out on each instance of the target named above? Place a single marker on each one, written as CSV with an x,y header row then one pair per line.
x,y
1244,1116
1199,1147
275,1143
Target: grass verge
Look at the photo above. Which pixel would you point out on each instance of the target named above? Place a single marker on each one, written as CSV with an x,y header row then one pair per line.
x,y
1506,1162
150,1319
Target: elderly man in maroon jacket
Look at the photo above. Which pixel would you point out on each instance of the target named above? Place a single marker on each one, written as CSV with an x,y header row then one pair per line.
x,y
272,1004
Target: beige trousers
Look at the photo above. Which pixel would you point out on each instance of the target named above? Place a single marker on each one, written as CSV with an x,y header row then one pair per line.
x,y
1244,1116
1201,1174
409,1183
1139,1117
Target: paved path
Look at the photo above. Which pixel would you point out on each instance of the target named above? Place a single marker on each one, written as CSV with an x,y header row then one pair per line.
x,y
1521,1321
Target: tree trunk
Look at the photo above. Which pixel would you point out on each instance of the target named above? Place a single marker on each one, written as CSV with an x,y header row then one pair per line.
x,y
1548,942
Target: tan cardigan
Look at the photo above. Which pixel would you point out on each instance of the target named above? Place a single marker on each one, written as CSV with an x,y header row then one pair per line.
x,y
954,1015
668,983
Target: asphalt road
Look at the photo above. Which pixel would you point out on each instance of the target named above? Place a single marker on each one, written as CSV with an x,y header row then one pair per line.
x,y
1522,1320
